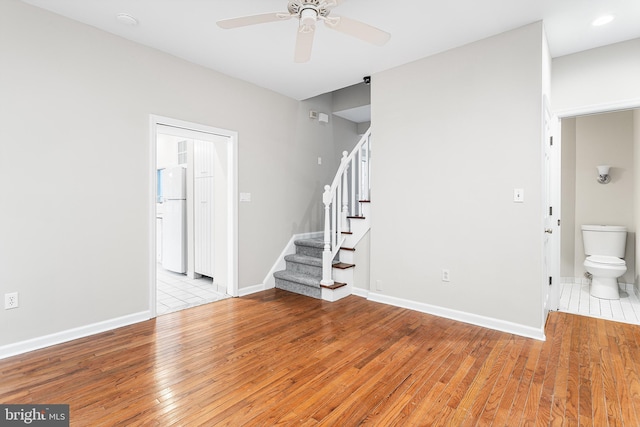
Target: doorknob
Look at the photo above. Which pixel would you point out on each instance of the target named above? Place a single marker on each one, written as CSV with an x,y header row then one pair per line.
x,y
548,230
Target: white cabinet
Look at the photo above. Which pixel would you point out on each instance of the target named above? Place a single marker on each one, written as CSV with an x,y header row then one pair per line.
x,y
203,189
203,159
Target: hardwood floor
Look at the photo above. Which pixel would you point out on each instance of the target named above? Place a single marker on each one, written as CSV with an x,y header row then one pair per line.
x,y
280,358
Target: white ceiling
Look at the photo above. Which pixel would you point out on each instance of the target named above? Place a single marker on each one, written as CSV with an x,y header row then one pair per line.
x,y
263,54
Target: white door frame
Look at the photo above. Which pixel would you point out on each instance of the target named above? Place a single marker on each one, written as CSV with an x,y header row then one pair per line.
x,y
232,201
551,199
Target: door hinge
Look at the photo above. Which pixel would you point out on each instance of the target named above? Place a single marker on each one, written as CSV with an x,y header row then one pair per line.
x,y
550,280
550,210
558,223
550,140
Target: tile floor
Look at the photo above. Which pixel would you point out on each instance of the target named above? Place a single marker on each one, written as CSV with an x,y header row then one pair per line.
x,y
575,298
176,291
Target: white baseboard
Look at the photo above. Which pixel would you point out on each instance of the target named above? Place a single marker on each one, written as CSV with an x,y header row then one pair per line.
x,y
269,281
243,292
360,292
474,319
71,334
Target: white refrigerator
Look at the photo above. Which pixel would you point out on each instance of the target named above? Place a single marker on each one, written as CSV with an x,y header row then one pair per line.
x,y
174,225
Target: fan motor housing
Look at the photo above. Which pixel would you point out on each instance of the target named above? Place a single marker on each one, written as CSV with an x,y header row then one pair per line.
x,y
296,7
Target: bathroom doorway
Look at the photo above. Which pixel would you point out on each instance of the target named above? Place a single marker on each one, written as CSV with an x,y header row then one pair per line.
x,y
590,139
194,251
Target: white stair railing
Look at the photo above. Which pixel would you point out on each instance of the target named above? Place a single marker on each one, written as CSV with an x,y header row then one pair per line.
x,y
342,199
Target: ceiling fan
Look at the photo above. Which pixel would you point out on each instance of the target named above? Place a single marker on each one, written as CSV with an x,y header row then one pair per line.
x,y
309,12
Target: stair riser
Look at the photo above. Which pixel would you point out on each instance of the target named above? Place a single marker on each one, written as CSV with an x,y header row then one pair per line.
x,y
347,256
335,295
309,251
344,276
298,288
305,269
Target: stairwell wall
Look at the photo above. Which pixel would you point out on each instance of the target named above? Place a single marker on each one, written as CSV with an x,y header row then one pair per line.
x,y
454,134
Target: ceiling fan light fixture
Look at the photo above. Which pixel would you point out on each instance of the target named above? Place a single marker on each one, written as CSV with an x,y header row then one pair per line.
x,y
308,17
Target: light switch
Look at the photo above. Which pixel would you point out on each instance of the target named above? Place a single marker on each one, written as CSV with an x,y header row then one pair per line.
x,y
245,197
319,160
518,195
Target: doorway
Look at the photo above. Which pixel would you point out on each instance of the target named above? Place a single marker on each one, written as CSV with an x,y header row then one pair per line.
x,y
590,138
207,269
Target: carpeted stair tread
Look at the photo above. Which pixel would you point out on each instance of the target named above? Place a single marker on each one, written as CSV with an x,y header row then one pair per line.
x,y
303,279
314,243
305,259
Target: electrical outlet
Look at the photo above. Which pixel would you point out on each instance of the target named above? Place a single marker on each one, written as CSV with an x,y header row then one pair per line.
x,y
445,275
10,300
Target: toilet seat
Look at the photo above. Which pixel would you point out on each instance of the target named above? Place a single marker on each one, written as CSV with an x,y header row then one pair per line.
x,y
605,260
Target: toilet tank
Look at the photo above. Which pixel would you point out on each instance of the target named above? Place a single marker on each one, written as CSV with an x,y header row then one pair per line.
x,y
608,240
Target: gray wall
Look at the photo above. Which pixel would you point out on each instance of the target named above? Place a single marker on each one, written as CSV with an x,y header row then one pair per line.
x,y
603,77
455,133
568,199
75,167
351,97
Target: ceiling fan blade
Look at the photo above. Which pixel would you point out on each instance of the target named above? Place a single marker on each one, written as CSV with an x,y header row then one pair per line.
x,y
244,21
358,29
304,43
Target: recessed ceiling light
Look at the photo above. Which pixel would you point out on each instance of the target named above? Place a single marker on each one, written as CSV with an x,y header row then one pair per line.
x,y
125,18
602,20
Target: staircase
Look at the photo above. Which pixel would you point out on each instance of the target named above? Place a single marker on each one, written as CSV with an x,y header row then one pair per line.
x,y
323,267
304,270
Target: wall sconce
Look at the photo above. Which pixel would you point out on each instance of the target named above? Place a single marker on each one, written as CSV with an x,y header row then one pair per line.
x,y
603,174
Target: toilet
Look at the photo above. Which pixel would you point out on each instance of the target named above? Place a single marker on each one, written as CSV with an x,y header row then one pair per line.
x,y
604,246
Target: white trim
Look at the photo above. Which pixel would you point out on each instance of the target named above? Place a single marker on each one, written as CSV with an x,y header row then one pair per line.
x,y
243,292
232,201
626,104
72,334
153,201
474,319
269,281
360,292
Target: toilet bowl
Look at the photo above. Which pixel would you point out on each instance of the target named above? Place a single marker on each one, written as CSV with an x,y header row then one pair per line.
x,y
605,271
604,247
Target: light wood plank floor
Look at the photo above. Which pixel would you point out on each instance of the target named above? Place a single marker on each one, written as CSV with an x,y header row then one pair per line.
x,y
280,358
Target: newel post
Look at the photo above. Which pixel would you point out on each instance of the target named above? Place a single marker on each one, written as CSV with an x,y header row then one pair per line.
x,y
326,253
